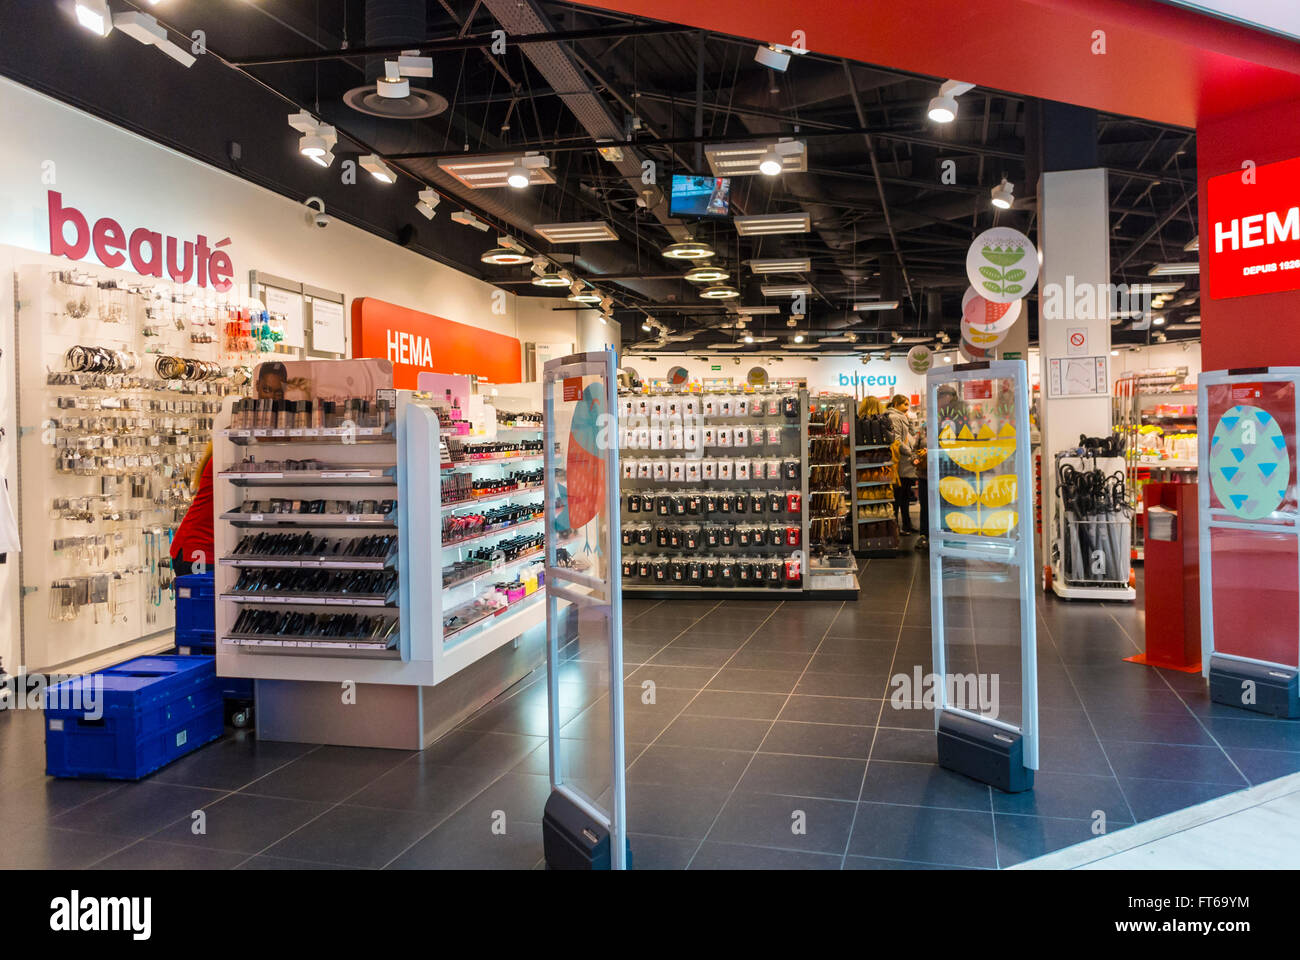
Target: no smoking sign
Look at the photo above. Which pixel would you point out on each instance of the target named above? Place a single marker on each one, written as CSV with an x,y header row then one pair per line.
x,y
1076,341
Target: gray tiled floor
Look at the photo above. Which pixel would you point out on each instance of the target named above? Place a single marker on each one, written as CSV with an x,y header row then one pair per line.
x,y
770,742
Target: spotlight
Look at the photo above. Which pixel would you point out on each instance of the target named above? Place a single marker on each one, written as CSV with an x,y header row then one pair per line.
x,y
428,202
646,326
469,220
323,160
769,56
392,85
770,165
1002,198
798,338
317,138
943,108
518,177
95,17
147,30
377,168
749,338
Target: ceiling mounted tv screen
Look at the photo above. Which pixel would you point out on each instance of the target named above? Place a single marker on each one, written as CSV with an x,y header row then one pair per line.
x,y
700,196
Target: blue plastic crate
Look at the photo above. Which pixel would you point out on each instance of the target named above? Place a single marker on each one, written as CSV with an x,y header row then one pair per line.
x,y
196,609
196,645
153,710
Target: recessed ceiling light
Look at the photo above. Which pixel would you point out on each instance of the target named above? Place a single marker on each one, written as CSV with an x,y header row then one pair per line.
x,y
719,292
1174,269
488,172
875,305
780,265
1001,195
375,165
706,274
688,250
770,223
587,231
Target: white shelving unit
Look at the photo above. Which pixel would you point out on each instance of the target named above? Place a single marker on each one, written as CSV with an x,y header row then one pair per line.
x,y
402,463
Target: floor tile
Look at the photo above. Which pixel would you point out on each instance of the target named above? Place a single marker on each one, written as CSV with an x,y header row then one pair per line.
x,y
153,855
754,681
923,785
660,853
732,856
791,823
29,846
825,777
241,823
1158,761
688,766
725,733
1155,798
1022,838
850,710
752,706
1067,795
357,836
458,845
672,811
911,746
819,740
138,809
925,834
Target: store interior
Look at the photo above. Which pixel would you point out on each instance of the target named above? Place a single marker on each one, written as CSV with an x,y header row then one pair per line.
x,y
769,243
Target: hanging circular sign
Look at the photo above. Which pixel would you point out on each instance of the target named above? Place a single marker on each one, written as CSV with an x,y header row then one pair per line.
x,y
986,315
1249,463
977,336
972,353
1002,264
757,376
677,376
919,359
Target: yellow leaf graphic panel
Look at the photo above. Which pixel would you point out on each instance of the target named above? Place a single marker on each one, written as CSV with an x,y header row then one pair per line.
x,y
957,491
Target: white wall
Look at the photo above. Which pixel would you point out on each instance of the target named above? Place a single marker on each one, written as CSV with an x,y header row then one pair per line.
x,y
1158,357
105,171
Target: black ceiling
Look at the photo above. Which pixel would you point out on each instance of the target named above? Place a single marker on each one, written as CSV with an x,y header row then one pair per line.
x,y
883,222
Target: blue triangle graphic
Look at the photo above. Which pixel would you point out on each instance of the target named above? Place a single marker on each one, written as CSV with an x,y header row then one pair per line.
x,y
1279,442
1239,453
1267,469
1230,422
1214,440
1237,499
1263,416
1228,472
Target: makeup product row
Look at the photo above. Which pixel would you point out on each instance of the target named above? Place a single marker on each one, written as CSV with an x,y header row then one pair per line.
x,y
339,626
252,413
310,545
315,582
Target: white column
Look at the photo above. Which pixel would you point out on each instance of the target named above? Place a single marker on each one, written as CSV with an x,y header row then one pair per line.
x,y
1073,302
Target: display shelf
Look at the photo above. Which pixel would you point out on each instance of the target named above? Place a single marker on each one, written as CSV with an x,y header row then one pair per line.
x,y
335,520
875,483
295,599
448,544
509,609
475,501
323,435
335,476
474,462
323,563
497,570
863,448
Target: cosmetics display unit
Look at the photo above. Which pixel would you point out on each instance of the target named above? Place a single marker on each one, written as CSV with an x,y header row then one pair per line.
x,y
353,546
714,493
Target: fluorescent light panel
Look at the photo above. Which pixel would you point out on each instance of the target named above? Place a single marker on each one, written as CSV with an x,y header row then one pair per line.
x,y
876,305
784,290
485,173
742,159
1174,269
779,265
589,231
769,223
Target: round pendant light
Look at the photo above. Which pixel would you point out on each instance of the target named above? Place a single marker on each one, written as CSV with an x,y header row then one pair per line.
x,y
587,296
706,274
688,250
550,280
519,177
504,256
719,292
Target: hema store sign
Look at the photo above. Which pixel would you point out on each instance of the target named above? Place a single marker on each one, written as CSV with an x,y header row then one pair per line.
x,y
1254,217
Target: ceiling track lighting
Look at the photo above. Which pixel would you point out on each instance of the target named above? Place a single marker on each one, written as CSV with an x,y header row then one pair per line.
x,y
468,219
428,202
138,26
94,15
392,85
1001,195
317,140
375,166
943,108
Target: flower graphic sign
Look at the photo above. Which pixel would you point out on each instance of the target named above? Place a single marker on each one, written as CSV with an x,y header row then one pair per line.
x,y
1002,265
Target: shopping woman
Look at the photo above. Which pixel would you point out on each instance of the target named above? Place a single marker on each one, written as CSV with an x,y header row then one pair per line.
x,y
902,432
192,546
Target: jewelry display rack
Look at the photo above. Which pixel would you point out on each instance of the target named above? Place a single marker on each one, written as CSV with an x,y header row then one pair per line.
x,y
831,564
695,518
874,473
119,382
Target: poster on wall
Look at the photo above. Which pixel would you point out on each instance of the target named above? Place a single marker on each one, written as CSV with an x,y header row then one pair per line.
x,y
288,304
327,331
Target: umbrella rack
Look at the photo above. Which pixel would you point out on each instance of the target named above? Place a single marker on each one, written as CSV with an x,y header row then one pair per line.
x,y
1092,529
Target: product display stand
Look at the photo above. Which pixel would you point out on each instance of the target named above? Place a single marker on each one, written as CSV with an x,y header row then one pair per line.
x,y
875,528
1249,538
714,492
832,569
1091,529
332,568
982,566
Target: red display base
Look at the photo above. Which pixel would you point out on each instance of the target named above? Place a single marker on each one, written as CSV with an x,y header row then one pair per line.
x,y
1146,661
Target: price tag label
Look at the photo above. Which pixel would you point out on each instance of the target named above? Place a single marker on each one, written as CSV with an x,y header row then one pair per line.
x,y
256,517
297,432
353,518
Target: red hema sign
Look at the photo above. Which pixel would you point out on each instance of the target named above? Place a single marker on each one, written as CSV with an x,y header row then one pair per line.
x,y
193,261
1254,246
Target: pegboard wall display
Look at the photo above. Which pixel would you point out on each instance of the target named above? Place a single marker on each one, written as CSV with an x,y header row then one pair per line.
x,y
119,384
